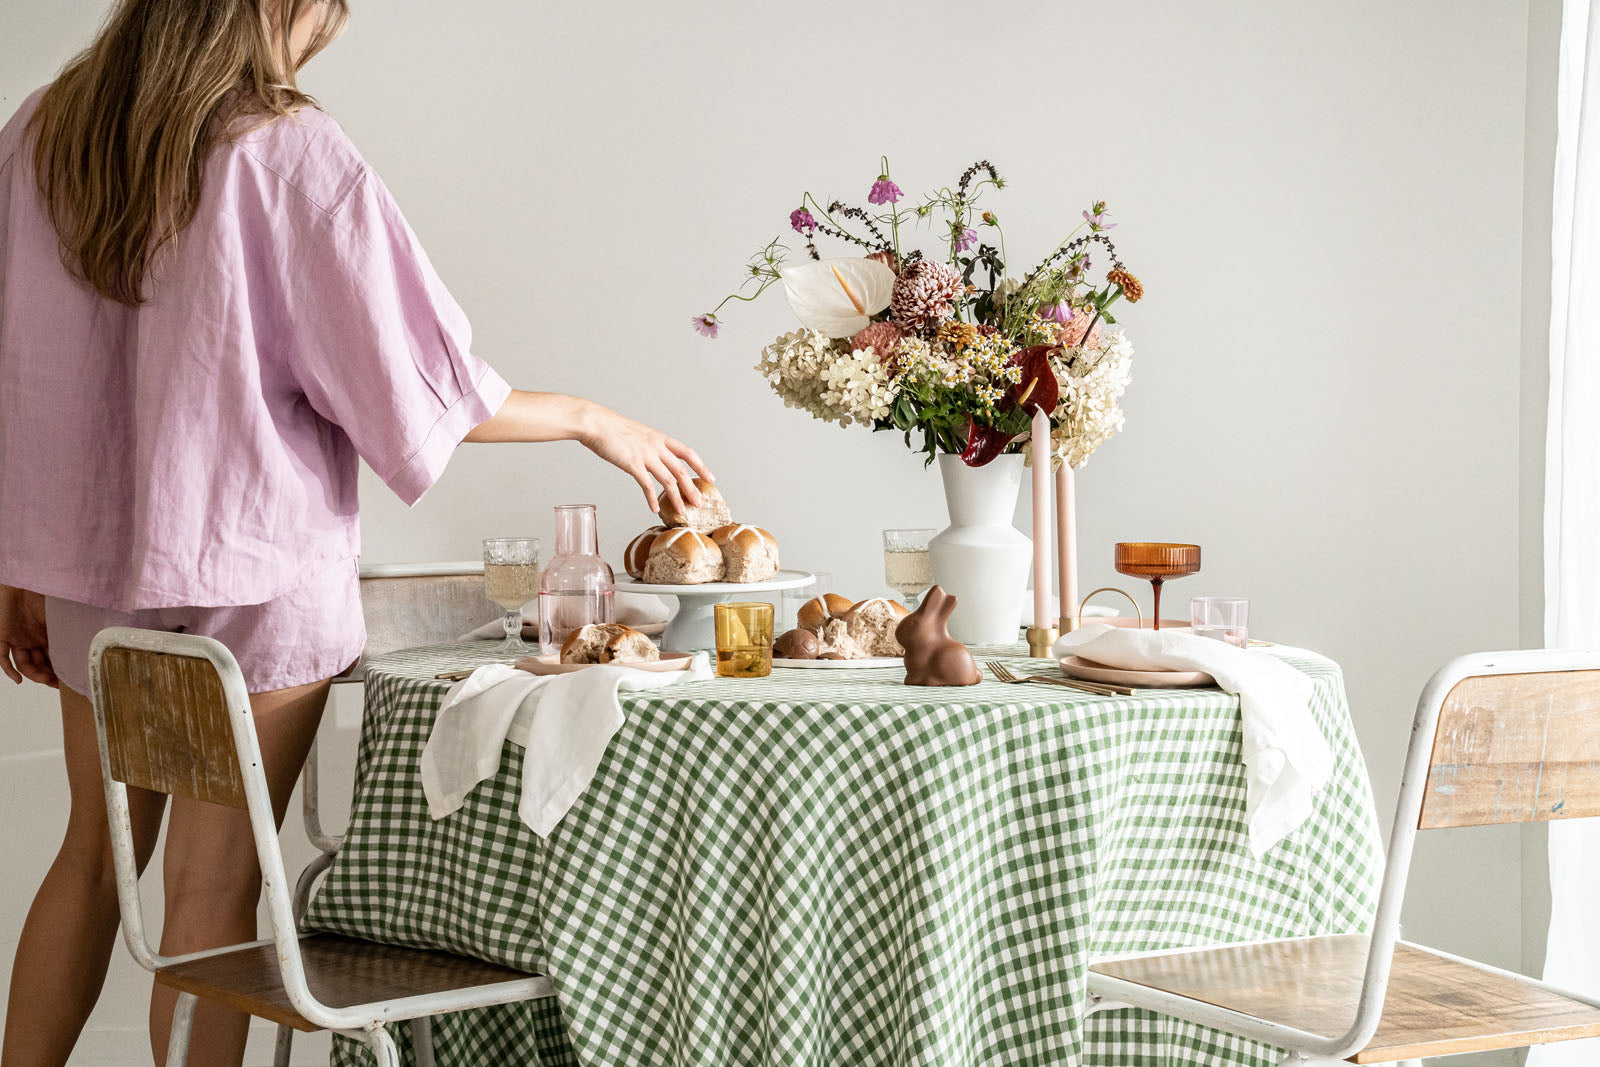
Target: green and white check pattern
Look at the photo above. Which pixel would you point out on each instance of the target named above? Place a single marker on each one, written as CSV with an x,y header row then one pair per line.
x,y
829,869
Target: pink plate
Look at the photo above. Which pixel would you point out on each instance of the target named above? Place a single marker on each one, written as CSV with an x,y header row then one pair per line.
x,y
1090,671
551,664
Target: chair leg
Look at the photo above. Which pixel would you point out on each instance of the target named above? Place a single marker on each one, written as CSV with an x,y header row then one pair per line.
x,y
182,1025
422,1040
280,1051
382,1046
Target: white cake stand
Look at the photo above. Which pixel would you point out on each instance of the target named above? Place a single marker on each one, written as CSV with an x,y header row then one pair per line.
x,y
695,627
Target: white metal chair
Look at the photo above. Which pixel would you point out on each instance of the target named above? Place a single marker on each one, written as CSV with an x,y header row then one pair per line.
x,y
404,604
173,716
1506,737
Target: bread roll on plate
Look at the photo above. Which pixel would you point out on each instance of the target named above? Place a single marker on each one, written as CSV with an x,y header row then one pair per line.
x,y
608,642
683,557
712,512
871,625
818,610
749,553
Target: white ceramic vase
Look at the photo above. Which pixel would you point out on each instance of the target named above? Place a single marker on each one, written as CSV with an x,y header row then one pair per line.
x,y
981,558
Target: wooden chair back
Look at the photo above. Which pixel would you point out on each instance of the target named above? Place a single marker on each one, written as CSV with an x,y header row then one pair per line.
x,y
167,726
1515,748
407,605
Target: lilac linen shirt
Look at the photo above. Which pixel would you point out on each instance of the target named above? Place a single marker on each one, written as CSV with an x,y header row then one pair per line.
x,y
201,450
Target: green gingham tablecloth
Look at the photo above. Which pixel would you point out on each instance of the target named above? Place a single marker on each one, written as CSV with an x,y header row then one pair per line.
x,y
830,869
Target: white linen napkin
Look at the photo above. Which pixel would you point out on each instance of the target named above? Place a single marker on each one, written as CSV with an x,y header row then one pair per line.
x,y
632,609
1286,758
562,721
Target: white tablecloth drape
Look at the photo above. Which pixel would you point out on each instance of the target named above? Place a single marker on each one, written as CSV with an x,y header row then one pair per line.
x,y
1572,488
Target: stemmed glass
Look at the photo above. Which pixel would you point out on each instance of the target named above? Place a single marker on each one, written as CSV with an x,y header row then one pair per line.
x,y
906,564
1156,562
511,579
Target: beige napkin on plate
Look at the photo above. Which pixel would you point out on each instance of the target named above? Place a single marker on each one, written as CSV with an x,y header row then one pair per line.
x,y
632,609
562,721
1286,758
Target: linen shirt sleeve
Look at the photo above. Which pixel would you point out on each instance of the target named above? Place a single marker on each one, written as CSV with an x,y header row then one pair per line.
x,y
381,349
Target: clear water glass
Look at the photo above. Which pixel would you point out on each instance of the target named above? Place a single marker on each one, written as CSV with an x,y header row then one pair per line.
x,y
795,599
1221,618
907,566
578,587
511,579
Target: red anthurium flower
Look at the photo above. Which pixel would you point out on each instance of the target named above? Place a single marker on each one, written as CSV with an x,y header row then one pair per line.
x,y
1038,387
984,443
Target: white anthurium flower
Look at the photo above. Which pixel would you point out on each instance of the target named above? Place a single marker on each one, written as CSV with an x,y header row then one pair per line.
x,y
838,297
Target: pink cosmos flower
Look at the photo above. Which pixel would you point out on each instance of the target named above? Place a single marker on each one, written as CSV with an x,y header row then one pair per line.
x,y
1058,313
968,238
884,191
802,221
706,325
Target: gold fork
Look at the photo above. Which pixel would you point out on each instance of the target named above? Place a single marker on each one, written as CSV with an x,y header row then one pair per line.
x,y
1002,673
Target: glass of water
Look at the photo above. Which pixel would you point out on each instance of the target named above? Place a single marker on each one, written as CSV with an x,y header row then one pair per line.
x,y
1221,618
511,579
906,564
795,599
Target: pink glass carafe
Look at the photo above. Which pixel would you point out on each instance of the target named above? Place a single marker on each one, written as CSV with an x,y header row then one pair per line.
x,y
577,587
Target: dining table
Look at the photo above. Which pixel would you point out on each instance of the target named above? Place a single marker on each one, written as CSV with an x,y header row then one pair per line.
x,y
831,868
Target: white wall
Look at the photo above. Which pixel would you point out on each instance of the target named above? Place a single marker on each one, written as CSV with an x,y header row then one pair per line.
x,y
1325,202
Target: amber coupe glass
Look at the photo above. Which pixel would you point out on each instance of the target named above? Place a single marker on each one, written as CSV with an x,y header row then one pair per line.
x,y
1156,562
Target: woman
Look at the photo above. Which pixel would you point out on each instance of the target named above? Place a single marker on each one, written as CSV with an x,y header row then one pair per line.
x,y
209,307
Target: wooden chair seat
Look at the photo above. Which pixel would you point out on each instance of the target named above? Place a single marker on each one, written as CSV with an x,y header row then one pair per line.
x,y
341,972
1436,1006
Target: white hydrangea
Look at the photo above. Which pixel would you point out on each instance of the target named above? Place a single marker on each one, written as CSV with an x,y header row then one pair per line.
x,y
825,378
1093,380
856,385
792,364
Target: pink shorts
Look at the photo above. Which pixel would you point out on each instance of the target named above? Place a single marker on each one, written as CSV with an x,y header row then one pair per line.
x,y
309,633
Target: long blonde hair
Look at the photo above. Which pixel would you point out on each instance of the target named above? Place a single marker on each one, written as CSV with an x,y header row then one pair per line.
x,y
123,133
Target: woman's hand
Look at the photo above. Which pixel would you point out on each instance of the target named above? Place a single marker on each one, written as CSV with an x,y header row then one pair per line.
x,y
646,453
24,652
642,452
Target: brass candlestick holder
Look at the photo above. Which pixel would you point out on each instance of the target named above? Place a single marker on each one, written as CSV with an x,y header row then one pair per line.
x,y
1040,640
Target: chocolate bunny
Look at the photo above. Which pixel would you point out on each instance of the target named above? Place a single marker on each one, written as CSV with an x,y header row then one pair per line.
x,y
933,657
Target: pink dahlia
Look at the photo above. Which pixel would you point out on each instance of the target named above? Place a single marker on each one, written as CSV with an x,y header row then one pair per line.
x,y
1070,333
925,294
881,337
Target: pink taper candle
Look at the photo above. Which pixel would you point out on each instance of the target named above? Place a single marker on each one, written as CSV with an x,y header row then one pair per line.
x,y
1041,519
1067,543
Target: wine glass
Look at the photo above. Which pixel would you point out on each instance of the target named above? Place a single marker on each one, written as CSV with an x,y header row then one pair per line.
x,y
906,565
1156,562
511,579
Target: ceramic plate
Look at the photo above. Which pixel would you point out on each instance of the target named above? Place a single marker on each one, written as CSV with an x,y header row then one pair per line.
x,y
551,664
838,664
1090,671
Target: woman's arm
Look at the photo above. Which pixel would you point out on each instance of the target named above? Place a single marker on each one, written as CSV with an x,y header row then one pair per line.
x,y
24,651
642,452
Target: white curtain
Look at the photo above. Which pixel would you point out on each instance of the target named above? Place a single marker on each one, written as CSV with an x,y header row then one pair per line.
x,y
1572,488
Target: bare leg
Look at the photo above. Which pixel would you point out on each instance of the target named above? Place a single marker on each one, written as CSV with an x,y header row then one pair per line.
x,y
213,881
71,928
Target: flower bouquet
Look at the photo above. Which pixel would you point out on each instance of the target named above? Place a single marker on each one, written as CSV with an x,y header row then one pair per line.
x,y
951,348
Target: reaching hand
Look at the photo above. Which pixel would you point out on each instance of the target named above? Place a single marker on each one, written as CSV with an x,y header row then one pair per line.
x,y
646,453
24,652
